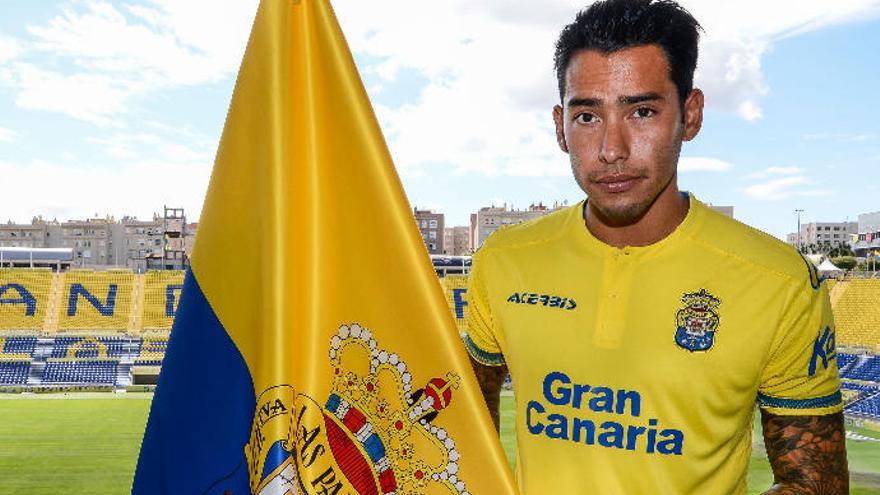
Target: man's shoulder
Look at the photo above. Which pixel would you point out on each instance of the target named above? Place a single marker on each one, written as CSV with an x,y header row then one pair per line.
x,y
532,233
752,246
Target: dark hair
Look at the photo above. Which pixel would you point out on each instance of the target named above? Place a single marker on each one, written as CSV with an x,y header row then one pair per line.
x,y
611,25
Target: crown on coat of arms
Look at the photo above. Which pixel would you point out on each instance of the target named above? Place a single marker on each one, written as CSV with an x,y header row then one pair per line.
x,y
701,301
378,413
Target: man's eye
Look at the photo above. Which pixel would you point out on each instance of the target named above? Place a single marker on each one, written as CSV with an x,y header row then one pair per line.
x,y
586,118
643,113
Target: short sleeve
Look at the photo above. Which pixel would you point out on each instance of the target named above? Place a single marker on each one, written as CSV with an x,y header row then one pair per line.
x,y
480,338
801,376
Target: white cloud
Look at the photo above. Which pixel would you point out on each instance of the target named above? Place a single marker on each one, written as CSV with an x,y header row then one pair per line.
x,y
90,97
702,164
486,106
795,185
10,49
8,135
91,60
139,188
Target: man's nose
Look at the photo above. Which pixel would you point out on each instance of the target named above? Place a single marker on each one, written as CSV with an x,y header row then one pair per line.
x,y
615,143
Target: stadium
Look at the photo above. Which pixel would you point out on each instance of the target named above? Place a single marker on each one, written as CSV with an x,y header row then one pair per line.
x,y
97,339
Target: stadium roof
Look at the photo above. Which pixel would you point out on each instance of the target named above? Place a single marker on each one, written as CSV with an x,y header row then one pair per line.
x,y
35,254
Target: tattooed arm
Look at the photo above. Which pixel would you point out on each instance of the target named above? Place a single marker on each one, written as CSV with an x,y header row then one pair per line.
x,y
807,453
491,378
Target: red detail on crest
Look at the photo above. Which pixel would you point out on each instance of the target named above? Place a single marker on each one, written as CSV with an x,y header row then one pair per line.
x,y
354,420
386,479
353,465
370,387
398,424
435,390
419,474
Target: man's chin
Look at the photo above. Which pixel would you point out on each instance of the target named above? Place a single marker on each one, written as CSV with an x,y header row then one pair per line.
x,y
620,215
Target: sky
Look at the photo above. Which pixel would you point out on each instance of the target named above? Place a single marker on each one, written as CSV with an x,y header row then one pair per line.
x,y
116,107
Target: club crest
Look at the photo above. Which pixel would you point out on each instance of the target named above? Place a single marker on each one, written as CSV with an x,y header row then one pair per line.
x,y
697,321
373,434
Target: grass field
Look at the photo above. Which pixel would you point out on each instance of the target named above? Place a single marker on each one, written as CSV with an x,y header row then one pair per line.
x,y
88,444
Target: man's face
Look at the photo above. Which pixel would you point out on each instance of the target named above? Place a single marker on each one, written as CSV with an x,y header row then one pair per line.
x,y
622,127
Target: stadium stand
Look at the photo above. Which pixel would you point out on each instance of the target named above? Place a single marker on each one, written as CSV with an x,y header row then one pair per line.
x,y
24,299
76,372
96,301
867,369
857,313
869,406
14,372
89,347
80,372
17,347
161,293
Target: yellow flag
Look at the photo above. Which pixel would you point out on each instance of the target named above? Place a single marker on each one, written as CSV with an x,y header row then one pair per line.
x,y
313,351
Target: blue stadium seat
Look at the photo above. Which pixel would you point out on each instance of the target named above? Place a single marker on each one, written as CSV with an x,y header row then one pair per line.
x,y
20,345
80,372
14,372
868,370
869,406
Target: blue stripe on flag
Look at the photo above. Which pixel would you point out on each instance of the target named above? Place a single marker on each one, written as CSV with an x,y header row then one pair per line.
x,y
202,411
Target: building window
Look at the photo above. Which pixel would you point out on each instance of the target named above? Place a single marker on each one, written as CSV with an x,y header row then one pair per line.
x,y
432,224
432,234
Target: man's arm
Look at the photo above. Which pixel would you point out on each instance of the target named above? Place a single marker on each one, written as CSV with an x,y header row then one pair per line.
x,y
491,378
807,453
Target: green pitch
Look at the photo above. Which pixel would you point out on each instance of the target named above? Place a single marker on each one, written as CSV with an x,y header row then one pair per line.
x,y
88,443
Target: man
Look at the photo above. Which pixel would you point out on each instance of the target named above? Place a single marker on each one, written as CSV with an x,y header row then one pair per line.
x,y
640,327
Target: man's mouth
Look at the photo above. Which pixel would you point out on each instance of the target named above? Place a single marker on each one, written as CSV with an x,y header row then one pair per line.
x,y
618,183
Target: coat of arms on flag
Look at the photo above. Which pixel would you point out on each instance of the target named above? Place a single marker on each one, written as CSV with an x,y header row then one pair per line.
x,y
373,434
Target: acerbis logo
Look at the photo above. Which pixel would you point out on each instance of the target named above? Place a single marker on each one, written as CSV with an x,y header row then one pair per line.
x,y
542,299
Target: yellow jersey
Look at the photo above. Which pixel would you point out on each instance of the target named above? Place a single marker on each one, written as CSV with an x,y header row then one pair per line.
x,y
637,370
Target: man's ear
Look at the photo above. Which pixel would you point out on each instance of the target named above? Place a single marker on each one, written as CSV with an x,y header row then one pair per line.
x,y
693,114
560,128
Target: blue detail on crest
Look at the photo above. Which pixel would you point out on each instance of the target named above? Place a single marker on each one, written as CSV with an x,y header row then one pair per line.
x,y
274,458
374,448
694,343
333,403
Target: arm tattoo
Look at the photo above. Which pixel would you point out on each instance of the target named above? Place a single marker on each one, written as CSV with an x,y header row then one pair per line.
x,y
807,453
490,379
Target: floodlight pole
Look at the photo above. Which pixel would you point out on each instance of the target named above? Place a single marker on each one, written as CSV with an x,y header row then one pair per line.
x,y
799,211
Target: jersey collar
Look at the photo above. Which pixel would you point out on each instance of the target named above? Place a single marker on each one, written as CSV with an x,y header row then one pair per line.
x,y
684,231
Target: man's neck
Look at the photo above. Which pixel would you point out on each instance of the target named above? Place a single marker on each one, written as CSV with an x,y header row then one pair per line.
x,y
661,219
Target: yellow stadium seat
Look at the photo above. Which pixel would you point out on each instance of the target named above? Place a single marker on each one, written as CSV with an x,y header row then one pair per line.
x,y
856,305
96,301
455,288
24,299
161,295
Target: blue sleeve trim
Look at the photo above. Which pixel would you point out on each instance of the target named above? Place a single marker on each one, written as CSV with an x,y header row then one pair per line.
x,y
827,401
487,358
